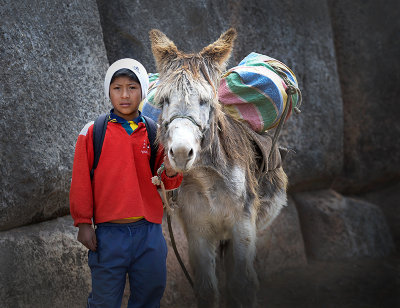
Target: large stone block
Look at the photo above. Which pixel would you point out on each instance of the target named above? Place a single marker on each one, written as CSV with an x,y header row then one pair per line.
x,y
126,25
43,265
367,53
341,228
297,33
53,61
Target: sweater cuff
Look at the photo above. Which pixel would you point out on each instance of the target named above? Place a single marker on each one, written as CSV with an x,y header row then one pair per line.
x,y
171,182
82,221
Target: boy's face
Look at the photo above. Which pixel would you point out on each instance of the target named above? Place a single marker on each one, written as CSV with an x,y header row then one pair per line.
x,y
125,95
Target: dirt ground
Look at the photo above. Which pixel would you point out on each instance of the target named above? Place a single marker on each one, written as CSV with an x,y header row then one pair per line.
x,y
368,283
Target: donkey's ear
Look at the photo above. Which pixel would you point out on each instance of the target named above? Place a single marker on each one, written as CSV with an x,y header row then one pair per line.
x,y
221,49
164,50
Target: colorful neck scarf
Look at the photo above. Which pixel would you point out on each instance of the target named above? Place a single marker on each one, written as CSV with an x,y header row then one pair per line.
x,y
129,126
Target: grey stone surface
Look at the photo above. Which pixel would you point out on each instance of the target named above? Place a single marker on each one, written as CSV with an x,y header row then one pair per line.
x,y
43,265
342,228
53,62
367,50
126,25
388,200
281,245
297,33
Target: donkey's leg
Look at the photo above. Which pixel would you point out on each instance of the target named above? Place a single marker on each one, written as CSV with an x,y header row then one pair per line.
x,y
229,272
242,278
202,254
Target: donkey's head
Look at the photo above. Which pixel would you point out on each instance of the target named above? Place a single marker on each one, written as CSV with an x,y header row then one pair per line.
x,y
187,94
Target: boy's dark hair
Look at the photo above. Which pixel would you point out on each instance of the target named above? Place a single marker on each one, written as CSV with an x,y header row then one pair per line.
x,y
125,72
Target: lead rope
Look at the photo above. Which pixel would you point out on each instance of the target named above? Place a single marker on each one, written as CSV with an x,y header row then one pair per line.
x,y
178,257
157,181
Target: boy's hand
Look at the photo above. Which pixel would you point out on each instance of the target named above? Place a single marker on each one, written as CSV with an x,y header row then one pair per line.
x,y
87,236
169,171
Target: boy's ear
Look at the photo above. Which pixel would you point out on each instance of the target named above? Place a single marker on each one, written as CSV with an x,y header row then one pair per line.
x,y
220,51
164,50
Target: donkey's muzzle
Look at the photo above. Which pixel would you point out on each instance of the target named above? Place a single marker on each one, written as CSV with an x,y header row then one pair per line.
x,y
182,156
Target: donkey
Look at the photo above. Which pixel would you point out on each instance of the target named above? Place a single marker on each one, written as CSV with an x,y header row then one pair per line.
x,y
225,196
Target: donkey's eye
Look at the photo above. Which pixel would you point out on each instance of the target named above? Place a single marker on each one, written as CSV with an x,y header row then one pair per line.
x,y
203,102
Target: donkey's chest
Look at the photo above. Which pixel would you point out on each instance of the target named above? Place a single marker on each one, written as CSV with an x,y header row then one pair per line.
x,y
217,187
207,198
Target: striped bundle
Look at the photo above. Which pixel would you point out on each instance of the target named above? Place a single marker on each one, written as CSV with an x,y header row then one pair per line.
x,y
254,91
148,106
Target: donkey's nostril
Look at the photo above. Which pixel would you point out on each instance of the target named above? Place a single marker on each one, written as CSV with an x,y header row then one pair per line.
x,y
171,152
190,154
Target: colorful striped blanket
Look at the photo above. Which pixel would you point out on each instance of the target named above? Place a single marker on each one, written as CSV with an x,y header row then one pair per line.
x,y
254,91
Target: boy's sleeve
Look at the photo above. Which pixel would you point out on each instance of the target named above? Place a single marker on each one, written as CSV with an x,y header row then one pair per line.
x,y
81,193
169,182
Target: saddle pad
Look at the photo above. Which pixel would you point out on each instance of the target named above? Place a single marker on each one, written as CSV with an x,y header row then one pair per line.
x,y
254,91
263,145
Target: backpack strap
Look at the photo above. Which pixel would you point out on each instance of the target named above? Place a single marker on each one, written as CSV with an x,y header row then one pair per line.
x,y
151,127
99,131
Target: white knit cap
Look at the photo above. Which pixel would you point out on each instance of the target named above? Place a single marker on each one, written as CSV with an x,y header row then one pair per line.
x,y
133,65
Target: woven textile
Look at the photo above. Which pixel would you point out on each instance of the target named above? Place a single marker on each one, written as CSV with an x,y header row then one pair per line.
x,y
148,106
253,92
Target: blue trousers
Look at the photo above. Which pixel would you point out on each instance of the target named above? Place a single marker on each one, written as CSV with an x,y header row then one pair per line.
x,y
136,249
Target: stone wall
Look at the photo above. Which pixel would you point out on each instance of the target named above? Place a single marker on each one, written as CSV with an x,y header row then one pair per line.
x,y
367,55
42,265
53,59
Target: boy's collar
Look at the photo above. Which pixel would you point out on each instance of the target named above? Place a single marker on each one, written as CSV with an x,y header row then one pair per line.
x,y
114,118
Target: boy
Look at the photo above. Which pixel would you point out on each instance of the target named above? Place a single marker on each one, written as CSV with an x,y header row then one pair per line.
x,y
121,199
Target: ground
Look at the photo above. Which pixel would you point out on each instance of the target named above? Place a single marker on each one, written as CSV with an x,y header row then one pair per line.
x,y
368,283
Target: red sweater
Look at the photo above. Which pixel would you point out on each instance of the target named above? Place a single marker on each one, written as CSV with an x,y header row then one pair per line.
x,y
121,185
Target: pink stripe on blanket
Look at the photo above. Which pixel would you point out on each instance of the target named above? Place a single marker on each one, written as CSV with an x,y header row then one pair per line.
x,y
248,112
226,96
252,115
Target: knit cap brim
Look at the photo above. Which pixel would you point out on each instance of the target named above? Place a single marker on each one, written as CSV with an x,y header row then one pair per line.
x,y
133,65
